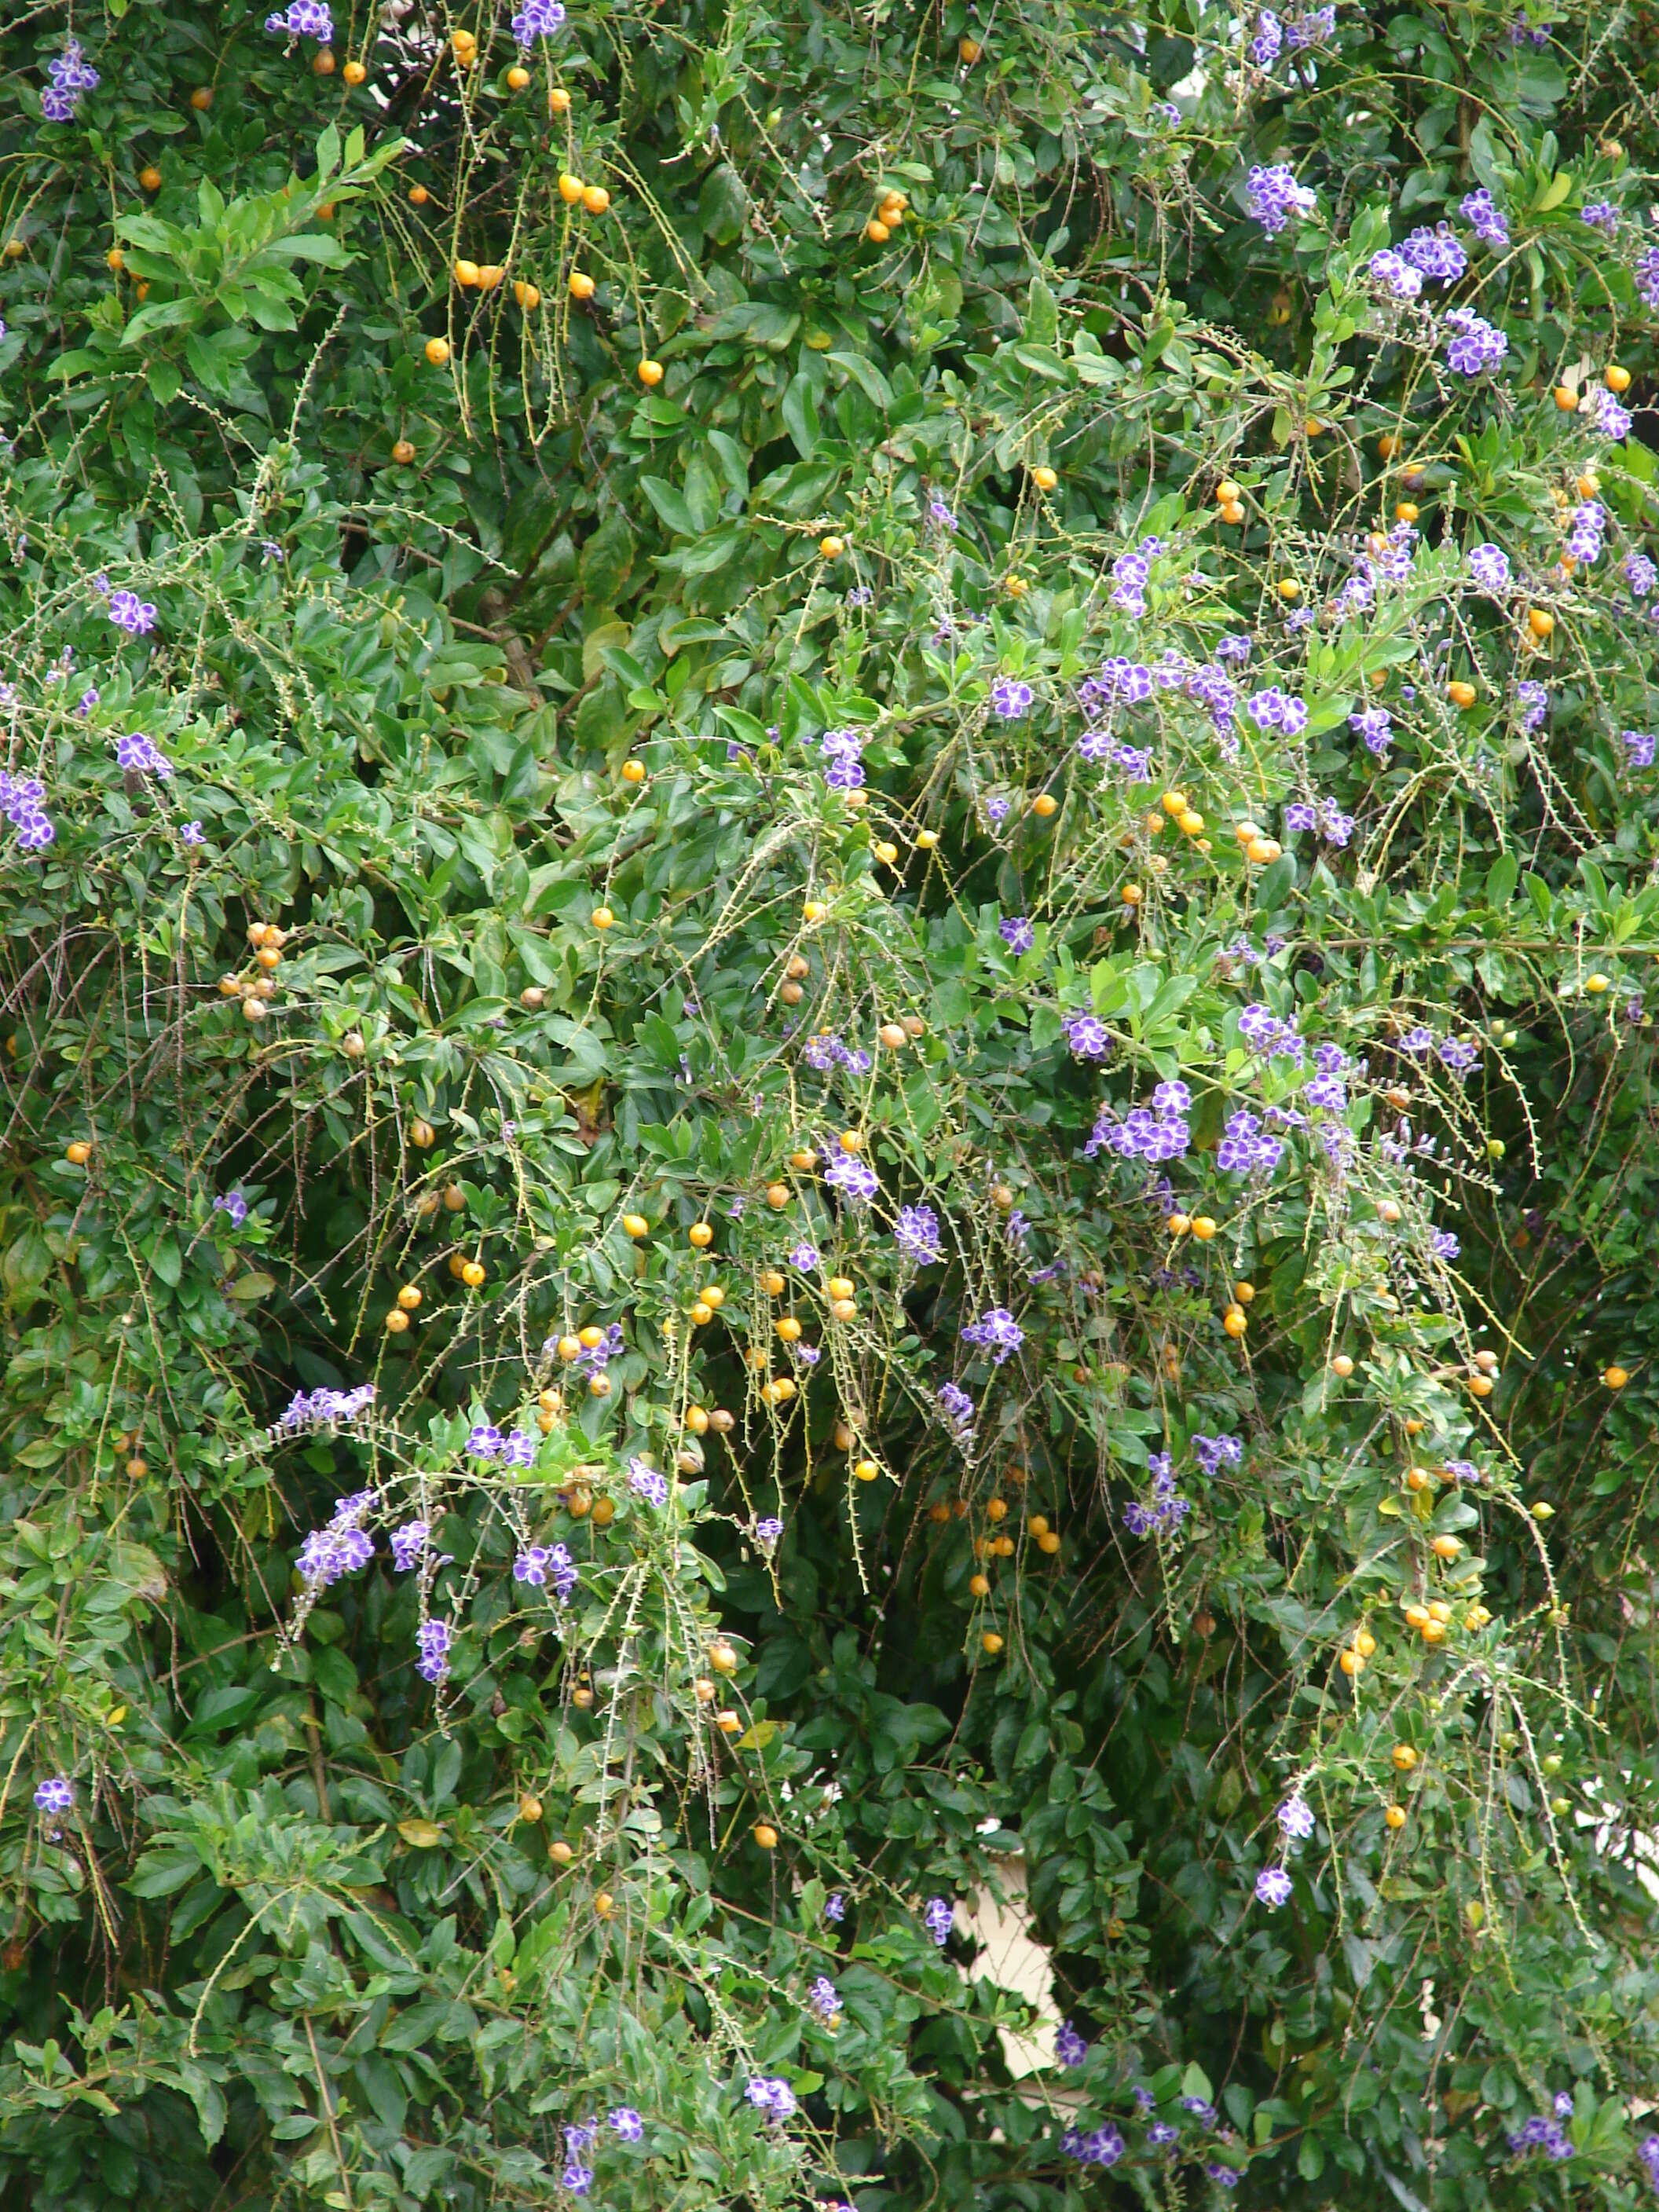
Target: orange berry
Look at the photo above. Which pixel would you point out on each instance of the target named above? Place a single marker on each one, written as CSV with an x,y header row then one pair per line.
x,y
650,373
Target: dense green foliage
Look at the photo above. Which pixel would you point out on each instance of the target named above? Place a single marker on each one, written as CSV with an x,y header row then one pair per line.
x,y
446,862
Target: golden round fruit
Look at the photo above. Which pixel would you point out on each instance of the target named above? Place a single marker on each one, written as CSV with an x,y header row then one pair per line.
x,y
650,373
1204,1227
1615,378
437,352
765,1835
852,1140
728,1722
1352,1663
843,1310
454,1198
517,78
473,1273
701,1314
866,1470
700,1234
137,1467
418,195
602,917
804,1161
1179,1224
397,1321
202,98
457,1262
1342,1365
1446,1548
490,274
353,72
1233,512
528,296
1244,1293
894,1035
778,1195
1597,983
1289,588
1049,1542
151,179
581,286
1044,478
558,101
115,259
876,231
633,771
1235,1320
1462,694
1131,895
722,1657
832,548
1404,1757
772,1282
1615,1377
1045,805
603,1904
1395,1816
969,50
78,1153
1226,492
408,1298
978,1585
1566,399
1191,823
840,1286
1406,510
788,1328
466,273
254,1010
595,198
927,840
1541,622
422,1134
696,1420
635,1225
991,1642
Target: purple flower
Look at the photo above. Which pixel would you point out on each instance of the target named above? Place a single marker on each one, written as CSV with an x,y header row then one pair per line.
x,y
1600,214
56,1795
957,1408
626,2123
1224,2176
1264,46
485,1441
835,1907
537,19
996,1332
432,1639
519,1449
771,2096
192,834
768,1531
1488,221
232,1203
1639,749
1389,272
803,1256
1161,2133
1562,2103
941,514
1272,1887
1010,698
130,613
915,1231
303,19
1475,345
577,2178
408,1543
1087,1035
1489,565
136,756
1435,253
645,1481
86,702
1296,1818
1070,2048
824,2000
1645,269
1614,421
71,75
1640,574
1457,1054
1017,933
1589,523
1273,196
853,1178
1213,1453
1533,700
1376,727
937,1918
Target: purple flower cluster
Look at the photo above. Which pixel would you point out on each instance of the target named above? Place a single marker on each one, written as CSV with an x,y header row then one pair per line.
x,y
1476,344
957,1408
71,74
1614,421
1600,214
1087,1035
1129,573
1010,699
937,1918
1272,197
1639,749
1534,701
1100,745
1121,682
1213,1453
1103,2146
135,755
1311,28
996,1331
1489,565
1645,270
409,1545
1296,1818
1639,574
825,1999
1017,933
854,1179
232,1203
1269,36
326,1404
432,1640
537,19
1244,1150
1070,2047
303,19
55,1795
1437,254
486,1442
1323,815
1273,709
1392,273
1264,1032
1272,1887
1167,1509
1590,523
824,1051
23,801
1547,2136
647,1482
1161,1133
540,1564
1375,726
1648,2152
915,1231
130,613
1485,219
768,1531
772,2096
343,1547
844,751
627,2124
